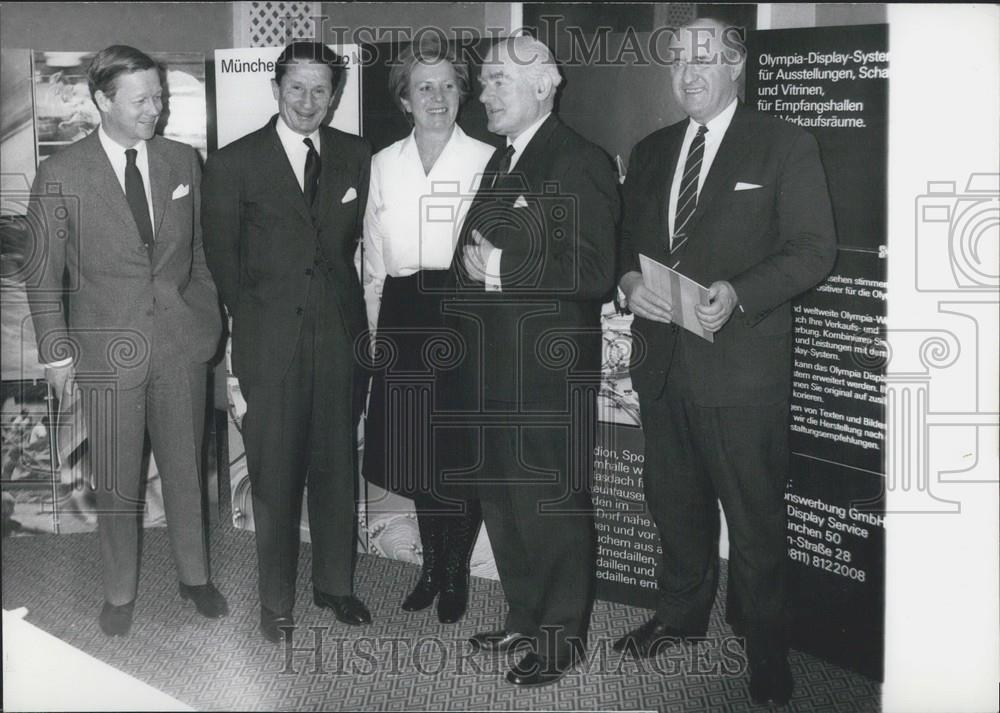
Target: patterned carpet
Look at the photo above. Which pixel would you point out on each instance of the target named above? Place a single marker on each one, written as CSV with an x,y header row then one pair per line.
x,y
401,662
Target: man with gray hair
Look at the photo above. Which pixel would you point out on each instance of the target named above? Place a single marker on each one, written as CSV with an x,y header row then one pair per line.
x,y
533,265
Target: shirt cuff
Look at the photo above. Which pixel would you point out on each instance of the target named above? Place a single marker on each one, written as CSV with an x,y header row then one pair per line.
x,y
621,302
58,364
493,271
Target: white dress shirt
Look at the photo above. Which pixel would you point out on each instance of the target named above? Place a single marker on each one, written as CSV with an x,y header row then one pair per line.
x,y
520,143
413,220
716,131
717,128
295,148
116,155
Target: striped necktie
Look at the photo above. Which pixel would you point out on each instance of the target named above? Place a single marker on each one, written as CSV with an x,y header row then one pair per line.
x,y
687,198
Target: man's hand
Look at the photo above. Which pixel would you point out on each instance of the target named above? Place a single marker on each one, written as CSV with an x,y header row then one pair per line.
x,y
475,255
643,301
61,379
722,300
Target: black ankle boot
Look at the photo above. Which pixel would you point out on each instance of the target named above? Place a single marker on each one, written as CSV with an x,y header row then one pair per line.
x,y
460,533
429,583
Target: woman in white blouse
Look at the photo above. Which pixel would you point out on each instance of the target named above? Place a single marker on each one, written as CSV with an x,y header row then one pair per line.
x,y
421,188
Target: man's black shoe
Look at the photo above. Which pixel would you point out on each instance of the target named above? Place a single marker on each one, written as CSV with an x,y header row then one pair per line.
x,y
207,599
651,638
534,670
116,620
499,641
348,609
275,627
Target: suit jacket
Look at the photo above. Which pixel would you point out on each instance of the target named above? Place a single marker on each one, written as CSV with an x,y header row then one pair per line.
x,y
261,242
555,217
771,243
122,301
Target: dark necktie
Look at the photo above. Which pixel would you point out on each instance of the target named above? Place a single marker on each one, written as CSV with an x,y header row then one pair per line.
x,y
481,207
135,194
310,183
503,168
687,198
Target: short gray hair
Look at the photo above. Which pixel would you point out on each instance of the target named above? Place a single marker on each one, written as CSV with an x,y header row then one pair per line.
x,y
533,57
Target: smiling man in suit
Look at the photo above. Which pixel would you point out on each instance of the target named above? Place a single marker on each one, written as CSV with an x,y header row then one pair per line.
x,y
282,217
531,271
737,201
117,218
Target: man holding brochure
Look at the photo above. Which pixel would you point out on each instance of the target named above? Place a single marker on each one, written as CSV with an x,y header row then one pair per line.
x,y
736,201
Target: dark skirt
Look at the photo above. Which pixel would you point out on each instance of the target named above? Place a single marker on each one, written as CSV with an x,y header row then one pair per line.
x,y
405,450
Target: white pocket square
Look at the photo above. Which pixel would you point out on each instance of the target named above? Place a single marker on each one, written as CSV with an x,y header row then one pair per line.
x,y
741,186
349,195
520,202
181,191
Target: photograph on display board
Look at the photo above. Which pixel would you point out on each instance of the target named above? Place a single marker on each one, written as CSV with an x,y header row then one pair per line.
x,y
42,491
17,135
617,402
18,350
65,113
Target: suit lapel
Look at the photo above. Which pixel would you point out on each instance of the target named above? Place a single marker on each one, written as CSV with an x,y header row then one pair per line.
x,y
505,190
490,180
535,156
284,175
103,182
333,180
728,159
483,195
670,153
161,179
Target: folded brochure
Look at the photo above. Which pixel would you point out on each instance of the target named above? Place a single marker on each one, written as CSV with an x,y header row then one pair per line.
x,y
683,293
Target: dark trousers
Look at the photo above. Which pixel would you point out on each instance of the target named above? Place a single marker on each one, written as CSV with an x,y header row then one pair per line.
x,y
171,405
300,435
696,456
538,516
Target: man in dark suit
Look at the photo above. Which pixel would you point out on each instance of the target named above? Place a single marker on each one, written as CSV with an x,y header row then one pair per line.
x,y
282,215
736,201
117,219
530,272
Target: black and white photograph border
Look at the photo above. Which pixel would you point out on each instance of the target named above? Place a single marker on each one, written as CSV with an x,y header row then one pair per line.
x,y
942,518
